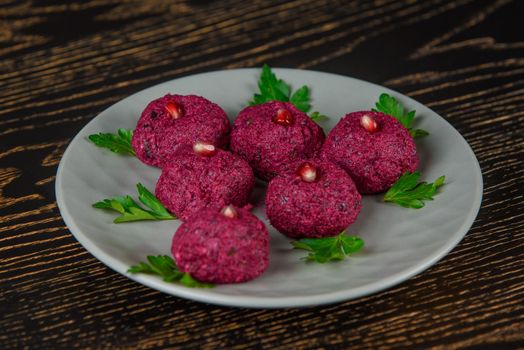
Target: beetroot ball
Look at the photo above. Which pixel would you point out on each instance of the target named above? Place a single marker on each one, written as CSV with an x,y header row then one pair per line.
x,y
319,199
174,120
374,159
222,246
272,135
199,176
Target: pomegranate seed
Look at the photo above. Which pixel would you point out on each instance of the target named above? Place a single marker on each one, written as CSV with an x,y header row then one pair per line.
x,y
204,149
307,172
369,123
283,117
174,110
229,212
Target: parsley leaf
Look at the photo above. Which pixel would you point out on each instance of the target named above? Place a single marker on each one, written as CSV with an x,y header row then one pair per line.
x,y
149,200
326,249
274,89
131,211
418,133
118,143
188,281
389,105
301,99
407,193
271,88
165,267
317,117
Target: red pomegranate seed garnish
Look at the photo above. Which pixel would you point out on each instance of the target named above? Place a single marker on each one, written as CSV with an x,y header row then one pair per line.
x,y
174,110
369,123
307,172
229,212
283,117
204,149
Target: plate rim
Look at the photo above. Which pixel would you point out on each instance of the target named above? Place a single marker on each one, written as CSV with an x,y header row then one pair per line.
x,y
263,301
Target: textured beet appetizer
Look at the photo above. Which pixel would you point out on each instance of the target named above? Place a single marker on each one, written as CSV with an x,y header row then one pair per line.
x,y
225,245
316,200
273,135
199,175
175,120
374,149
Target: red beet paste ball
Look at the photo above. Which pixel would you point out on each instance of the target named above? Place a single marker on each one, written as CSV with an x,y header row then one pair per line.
x,y
175,120
222,246
319,199
272,135
201,175
374,148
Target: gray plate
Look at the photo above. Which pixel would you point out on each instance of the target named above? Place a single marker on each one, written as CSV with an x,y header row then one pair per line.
x,y
399,242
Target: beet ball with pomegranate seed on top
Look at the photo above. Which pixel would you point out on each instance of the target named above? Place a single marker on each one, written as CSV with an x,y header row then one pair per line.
x,y
201,175
374,149
174,120
228,245
317,199
273,135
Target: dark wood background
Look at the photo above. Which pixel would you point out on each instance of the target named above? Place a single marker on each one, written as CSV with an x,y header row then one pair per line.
x,y
63,62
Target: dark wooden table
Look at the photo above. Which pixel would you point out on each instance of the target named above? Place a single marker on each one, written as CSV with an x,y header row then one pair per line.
x,y
63,62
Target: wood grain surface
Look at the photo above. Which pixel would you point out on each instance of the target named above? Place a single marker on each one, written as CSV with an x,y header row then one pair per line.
x,y
63,62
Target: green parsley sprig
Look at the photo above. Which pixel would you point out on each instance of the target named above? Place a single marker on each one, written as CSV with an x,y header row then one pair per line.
x,y
389,105
275,89
118,143
131,211
409,193
317,117
326,249
165,267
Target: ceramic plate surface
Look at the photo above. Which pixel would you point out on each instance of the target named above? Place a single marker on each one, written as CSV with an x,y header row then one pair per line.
x,y
399,242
